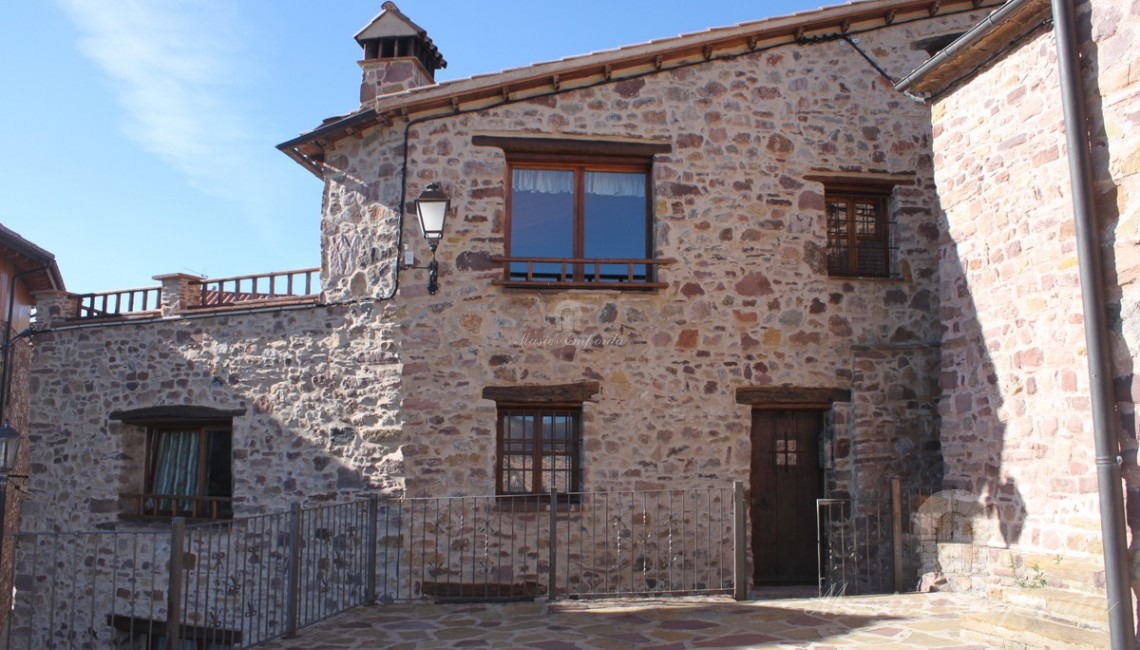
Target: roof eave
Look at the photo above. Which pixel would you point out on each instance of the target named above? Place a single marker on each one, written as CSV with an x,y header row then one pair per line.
x,y
619,63
975,48
36,262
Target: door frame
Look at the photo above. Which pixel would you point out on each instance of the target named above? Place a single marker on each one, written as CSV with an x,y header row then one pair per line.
x,y
801,525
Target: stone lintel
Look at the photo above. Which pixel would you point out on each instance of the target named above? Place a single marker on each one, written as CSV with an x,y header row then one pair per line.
x,y
559,394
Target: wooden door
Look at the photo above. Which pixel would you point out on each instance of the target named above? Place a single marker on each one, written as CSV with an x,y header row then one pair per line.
x,y
786,480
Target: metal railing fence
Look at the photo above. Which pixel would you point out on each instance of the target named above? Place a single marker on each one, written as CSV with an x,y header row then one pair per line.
x,y
239,582
882,543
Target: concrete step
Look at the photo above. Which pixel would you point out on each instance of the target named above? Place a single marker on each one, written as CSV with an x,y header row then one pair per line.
x,y
1015,630
1060,605
1084,574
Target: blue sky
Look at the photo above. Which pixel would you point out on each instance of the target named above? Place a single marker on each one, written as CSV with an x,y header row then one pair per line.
x,y
142,133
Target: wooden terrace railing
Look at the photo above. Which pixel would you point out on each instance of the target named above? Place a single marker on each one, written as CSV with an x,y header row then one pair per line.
x,y
165,506
297,287
109,304
284,286
580,273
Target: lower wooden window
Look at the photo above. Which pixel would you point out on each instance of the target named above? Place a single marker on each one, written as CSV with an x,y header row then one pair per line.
x,y
539,449
189,471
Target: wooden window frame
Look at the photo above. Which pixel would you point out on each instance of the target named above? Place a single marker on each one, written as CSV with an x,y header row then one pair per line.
x,y
204,506
844,248
574,272
538,411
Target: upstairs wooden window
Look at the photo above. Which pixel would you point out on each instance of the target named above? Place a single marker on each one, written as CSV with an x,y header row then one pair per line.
x,y
858,231
579,214
582,224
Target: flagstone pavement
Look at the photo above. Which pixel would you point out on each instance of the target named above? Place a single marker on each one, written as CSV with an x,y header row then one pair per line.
x,y
883,622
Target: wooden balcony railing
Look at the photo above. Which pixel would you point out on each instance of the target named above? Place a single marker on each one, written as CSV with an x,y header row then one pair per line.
x,y
164,506
126,302
302,285
581,273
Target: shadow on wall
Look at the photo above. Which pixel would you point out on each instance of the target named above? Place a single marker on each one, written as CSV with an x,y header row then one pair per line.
x,y
973,434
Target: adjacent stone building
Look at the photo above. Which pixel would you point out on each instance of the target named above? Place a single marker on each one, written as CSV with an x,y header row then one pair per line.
x,y
25,268
740,254
1017,414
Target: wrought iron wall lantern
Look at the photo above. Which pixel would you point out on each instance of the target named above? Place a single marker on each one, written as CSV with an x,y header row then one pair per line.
x,y
9,448
432,206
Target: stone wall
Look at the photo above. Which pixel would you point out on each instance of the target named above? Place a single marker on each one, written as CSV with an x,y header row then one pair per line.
x,y
1016,421
319,387
1114,118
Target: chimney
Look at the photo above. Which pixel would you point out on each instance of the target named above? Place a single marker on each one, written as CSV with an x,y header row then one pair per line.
x,y
398,55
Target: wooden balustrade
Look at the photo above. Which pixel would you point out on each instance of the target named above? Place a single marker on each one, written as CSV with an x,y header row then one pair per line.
x,y
580,273
126,302
284,286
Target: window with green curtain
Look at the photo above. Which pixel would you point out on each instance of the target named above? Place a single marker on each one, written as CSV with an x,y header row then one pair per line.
x,y
192,461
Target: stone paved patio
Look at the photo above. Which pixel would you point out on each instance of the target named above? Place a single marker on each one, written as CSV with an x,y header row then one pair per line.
x,y
883,622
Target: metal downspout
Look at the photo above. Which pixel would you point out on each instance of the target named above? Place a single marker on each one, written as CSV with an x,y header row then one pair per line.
x,y
1105,422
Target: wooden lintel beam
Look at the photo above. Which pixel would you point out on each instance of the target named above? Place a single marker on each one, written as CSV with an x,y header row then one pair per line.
x,y
559,394
784,395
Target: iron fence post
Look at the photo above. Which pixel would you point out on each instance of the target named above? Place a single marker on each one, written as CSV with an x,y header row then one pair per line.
x,y
897,532
740,553
293,590
174,581
552,590
370,543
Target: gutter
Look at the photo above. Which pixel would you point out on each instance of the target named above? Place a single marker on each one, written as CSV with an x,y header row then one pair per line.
x,y
1105,421
965,41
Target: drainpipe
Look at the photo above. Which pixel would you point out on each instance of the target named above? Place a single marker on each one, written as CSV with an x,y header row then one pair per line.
x,y
1105,420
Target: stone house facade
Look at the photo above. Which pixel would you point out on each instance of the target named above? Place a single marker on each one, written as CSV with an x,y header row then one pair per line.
x,y
740,254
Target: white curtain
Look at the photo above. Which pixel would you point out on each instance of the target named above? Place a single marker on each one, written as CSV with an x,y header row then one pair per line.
x,y
553,181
